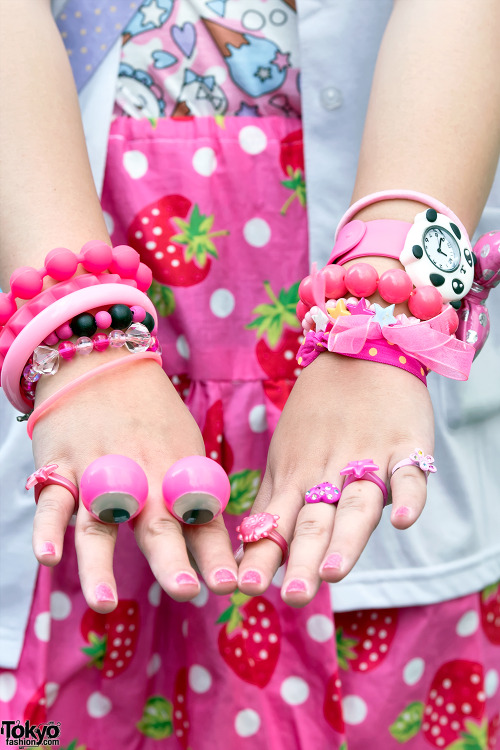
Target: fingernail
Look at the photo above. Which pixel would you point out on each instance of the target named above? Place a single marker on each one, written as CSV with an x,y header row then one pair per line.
x,y
224,576
402,511
104,593
47,548
251,576
185,579
332,562
296,585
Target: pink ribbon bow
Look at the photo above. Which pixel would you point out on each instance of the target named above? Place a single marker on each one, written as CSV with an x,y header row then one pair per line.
x,y
40,475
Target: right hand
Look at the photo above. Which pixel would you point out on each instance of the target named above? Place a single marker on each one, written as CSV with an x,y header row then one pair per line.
x,y
134,411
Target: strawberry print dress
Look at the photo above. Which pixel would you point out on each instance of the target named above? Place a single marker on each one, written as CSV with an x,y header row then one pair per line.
x,y
205,178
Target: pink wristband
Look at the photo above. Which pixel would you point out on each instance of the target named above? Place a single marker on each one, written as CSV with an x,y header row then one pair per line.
x,y
357,239
54,316
41,410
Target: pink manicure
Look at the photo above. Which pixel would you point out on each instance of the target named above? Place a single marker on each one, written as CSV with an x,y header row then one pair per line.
x,y
185,579
333,562
251,576
47,548
224,576
403,511
104,593
296,585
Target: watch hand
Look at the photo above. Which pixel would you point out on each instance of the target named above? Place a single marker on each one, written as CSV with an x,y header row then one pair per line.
x,y
439,248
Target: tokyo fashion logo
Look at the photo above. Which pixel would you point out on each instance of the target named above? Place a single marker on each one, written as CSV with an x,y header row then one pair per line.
x,y
27,735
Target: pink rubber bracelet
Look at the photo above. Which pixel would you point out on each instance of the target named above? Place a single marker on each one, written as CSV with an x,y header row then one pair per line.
x,y
51,318
41,410
358,239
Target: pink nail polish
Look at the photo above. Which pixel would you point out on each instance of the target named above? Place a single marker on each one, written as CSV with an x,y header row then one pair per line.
x,y
185,579
251,576
224,576
332,562
47,548
104,593
403,511
296,585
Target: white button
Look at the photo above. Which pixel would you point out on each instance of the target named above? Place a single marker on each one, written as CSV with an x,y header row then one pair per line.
x,y
331,98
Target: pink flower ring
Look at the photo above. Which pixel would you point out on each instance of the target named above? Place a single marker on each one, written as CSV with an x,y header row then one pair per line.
x,y
424,462
262,526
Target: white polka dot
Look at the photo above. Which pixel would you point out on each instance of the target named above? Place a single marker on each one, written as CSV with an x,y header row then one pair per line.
x,y
60,605
51,692
157,231
205,161
252,139
182,347
108,220
320,628
258,418
222,303
491,682
154,594
354,709
154,665
42,626
247,722
413,671
218,72
200,679
294,691
151,245
257,232
135,163
98,705
202,598
8,686
468,623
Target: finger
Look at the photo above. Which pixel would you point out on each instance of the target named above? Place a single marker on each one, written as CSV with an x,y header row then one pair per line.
x,y
211,548
159,536
310,542
95,544
409,493
53,512
358,512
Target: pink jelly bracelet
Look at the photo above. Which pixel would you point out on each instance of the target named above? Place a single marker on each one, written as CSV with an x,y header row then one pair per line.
x,y
61,264
51,401
51,318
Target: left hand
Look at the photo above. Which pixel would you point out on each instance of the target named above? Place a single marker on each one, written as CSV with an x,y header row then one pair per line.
x,y
340,410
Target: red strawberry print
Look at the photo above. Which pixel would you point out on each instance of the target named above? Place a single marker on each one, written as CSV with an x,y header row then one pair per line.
x,y
216,445
250,640
364,637
490,612
180,713
493,733
277,391
178,252
292,164
182,384
279,333
454,713
112,638
36,709
332,706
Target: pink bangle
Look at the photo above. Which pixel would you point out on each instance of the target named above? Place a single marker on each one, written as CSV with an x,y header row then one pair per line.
x,y
50,319
357,239
41,410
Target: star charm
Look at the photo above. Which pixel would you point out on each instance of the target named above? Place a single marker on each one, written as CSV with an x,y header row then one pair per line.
x,y
263,74
359,468
152,13
338,310
281,60
361,308
384,315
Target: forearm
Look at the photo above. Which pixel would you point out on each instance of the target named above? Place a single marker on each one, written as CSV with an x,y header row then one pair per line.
x,y
47,194
433,121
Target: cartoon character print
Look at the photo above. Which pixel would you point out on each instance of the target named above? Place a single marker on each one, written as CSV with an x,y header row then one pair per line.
x,y
200,96
151,15
137,94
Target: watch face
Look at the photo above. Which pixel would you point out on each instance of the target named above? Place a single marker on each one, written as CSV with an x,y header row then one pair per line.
x,y
441,248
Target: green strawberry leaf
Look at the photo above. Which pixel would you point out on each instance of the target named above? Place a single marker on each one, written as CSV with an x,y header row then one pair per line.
x,y
162,298
156,719
489,591
96,649
474,738
344,649
271,318
343,746
408,723
297,184
244,486
153,121
196,236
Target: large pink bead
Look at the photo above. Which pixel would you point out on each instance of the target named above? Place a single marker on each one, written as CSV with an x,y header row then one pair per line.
x,y
101,342
143,277
96,256
26,282
7,308
125,261
334,281
395,286
103,320
305,291
138,313
67,349
361,279
301,310
61,263
425,302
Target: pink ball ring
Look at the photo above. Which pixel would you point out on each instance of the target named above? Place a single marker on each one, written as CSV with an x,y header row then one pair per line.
x,y
262,526
114,488
419,459
46,475
196,490
326,492
358,470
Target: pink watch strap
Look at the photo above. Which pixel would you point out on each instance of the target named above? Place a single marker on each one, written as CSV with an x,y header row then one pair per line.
x,y
357,239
